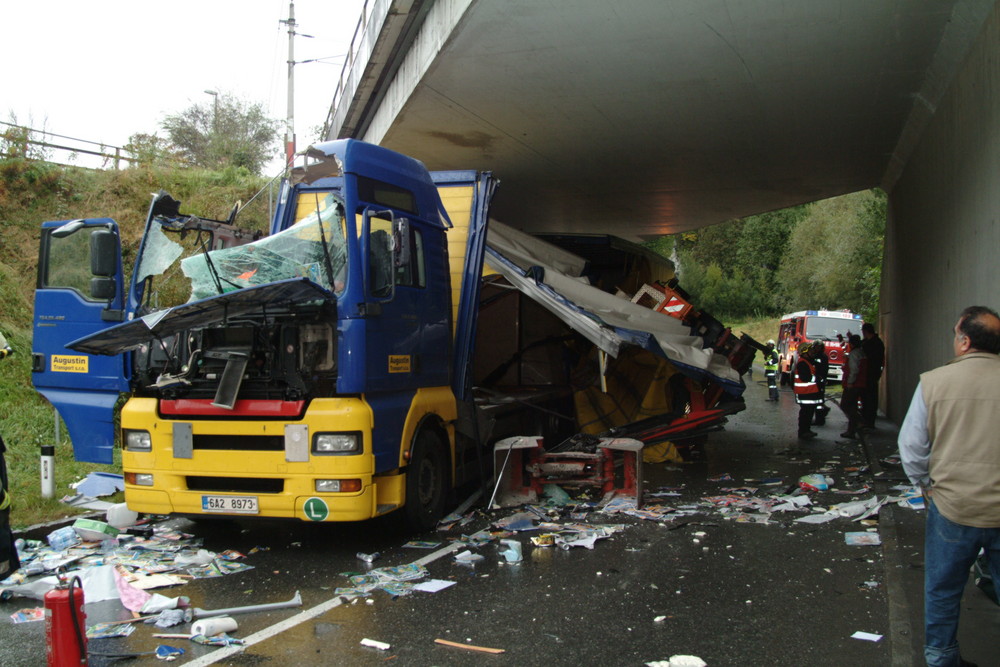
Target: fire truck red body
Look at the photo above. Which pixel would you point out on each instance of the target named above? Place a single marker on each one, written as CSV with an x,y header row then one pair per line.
x,y
830,326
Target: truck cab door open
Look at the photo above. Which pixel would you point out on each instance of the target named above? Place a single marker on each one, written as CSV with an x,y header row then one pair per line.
x,y
79,292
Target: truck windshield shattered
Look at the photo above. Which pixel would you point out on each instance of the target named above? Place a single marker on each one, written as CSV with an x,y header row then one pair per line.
x,y
312,248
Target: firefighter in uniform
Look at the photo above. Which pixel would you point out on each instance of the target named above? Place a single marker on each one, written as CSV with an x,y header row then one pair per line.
x,y
822,364
771,371
9,562
807,393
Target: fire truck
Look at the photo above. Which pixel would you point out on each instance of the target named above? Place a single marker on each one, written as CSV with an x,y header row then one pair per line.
x,y
805,326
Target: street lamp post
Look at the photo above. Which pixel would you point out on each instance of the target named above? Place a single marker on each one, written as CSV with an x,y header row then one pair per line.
x,y
215,109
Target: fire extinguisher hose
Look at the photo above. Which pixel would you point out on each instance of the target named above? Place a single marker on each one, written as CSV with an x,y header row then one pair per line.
x,y
77,583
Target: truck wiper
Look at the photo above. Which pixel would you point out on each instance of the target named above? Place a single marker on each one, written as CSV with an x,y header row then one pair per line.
x,y
327,261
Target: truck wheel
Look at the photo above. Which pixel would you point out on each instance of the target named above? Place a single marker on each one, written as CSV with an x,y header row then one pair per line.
x,y
426,482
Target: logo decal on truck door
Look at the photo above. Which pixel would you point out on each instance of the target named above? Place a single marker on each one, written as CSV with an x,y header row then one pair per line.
x,y
399,363
62,363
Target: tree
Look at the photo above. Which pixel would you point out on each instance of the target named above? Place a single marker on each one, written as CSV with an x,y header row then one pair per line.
x,y
225,132
835,254
148,149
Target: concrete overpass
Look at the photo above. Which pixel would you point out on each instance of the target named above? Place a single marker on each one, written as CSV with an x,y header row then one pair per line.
x,y
649,117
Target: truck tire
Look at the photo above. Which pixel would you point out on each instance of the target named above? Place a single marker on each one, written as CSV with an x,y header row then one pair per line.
x,y
426,482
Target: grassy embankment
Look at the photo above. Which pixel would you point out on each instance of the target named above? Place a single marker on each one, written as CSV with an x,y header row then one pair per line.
x,y
30,193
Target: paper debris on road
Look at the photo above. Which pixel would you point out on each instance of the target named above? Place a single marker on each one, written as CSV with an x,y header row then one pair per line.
x,y
862,539
433,585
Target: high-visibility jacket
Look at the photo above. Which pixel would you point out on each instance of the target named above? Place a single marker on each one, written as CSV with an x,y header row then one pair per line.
x,y
771,361
807,391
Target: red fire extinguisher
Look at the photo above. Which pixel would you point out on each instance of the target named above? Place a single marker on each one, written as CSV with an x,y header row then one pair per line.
x,y
65,625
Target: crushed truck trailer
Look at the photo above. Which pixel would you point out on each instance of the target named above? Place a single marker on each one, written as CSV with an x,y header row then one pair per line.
x,y
361,355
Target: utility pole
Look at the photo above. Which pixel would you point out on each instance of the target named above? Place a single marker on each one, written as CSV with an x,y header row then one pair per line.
x,y
290,121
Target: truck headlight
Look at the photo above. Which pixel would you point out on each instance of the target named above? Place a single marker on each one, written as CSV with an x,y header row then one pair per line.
x,y
137,441
338,485
336,443
138,479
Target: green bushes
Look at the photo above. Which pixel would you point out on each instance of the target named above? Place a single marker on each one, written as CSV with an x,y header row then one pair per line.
x,y
827,254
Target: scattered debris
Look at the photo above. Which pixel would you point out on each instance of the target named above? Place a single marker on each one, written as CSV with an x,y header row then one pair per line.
x,y
372,643
867,636
28,615
214,626
511,551
99,484
469,647
862,539
815,482
679,661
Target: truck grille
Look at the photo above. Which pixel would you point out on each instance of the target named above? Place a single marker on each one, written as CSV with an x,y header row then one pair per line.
x,y
251,443
235,484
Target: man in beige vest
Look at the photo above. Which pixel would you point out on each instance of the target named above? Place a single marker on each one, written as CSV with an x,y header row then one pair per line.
x,y
950,447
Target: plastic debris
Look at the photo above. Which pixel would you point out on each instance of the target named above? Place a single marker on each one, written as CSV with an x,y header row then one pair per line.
x,y
511,551
63,538
468,557
867,636
815,482
382,646
368,558
200,557
168,653
120,516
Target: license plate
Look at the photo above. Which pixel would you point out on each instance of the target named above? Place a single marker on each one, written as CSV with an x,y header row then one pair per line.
x,y
231,504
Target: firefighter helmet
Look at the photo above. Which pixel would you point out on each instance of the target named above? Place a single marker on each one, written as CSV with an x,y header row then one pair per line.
x,y
771,342
804,349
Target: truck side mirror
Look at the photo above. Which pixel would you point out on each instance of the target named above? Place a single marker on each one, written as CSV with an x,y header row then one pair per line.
x,y
102,287
103,253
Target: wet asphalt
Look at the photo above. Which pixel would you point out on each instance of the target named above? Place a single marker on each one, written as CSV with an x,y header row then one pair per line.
x,y
730,592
